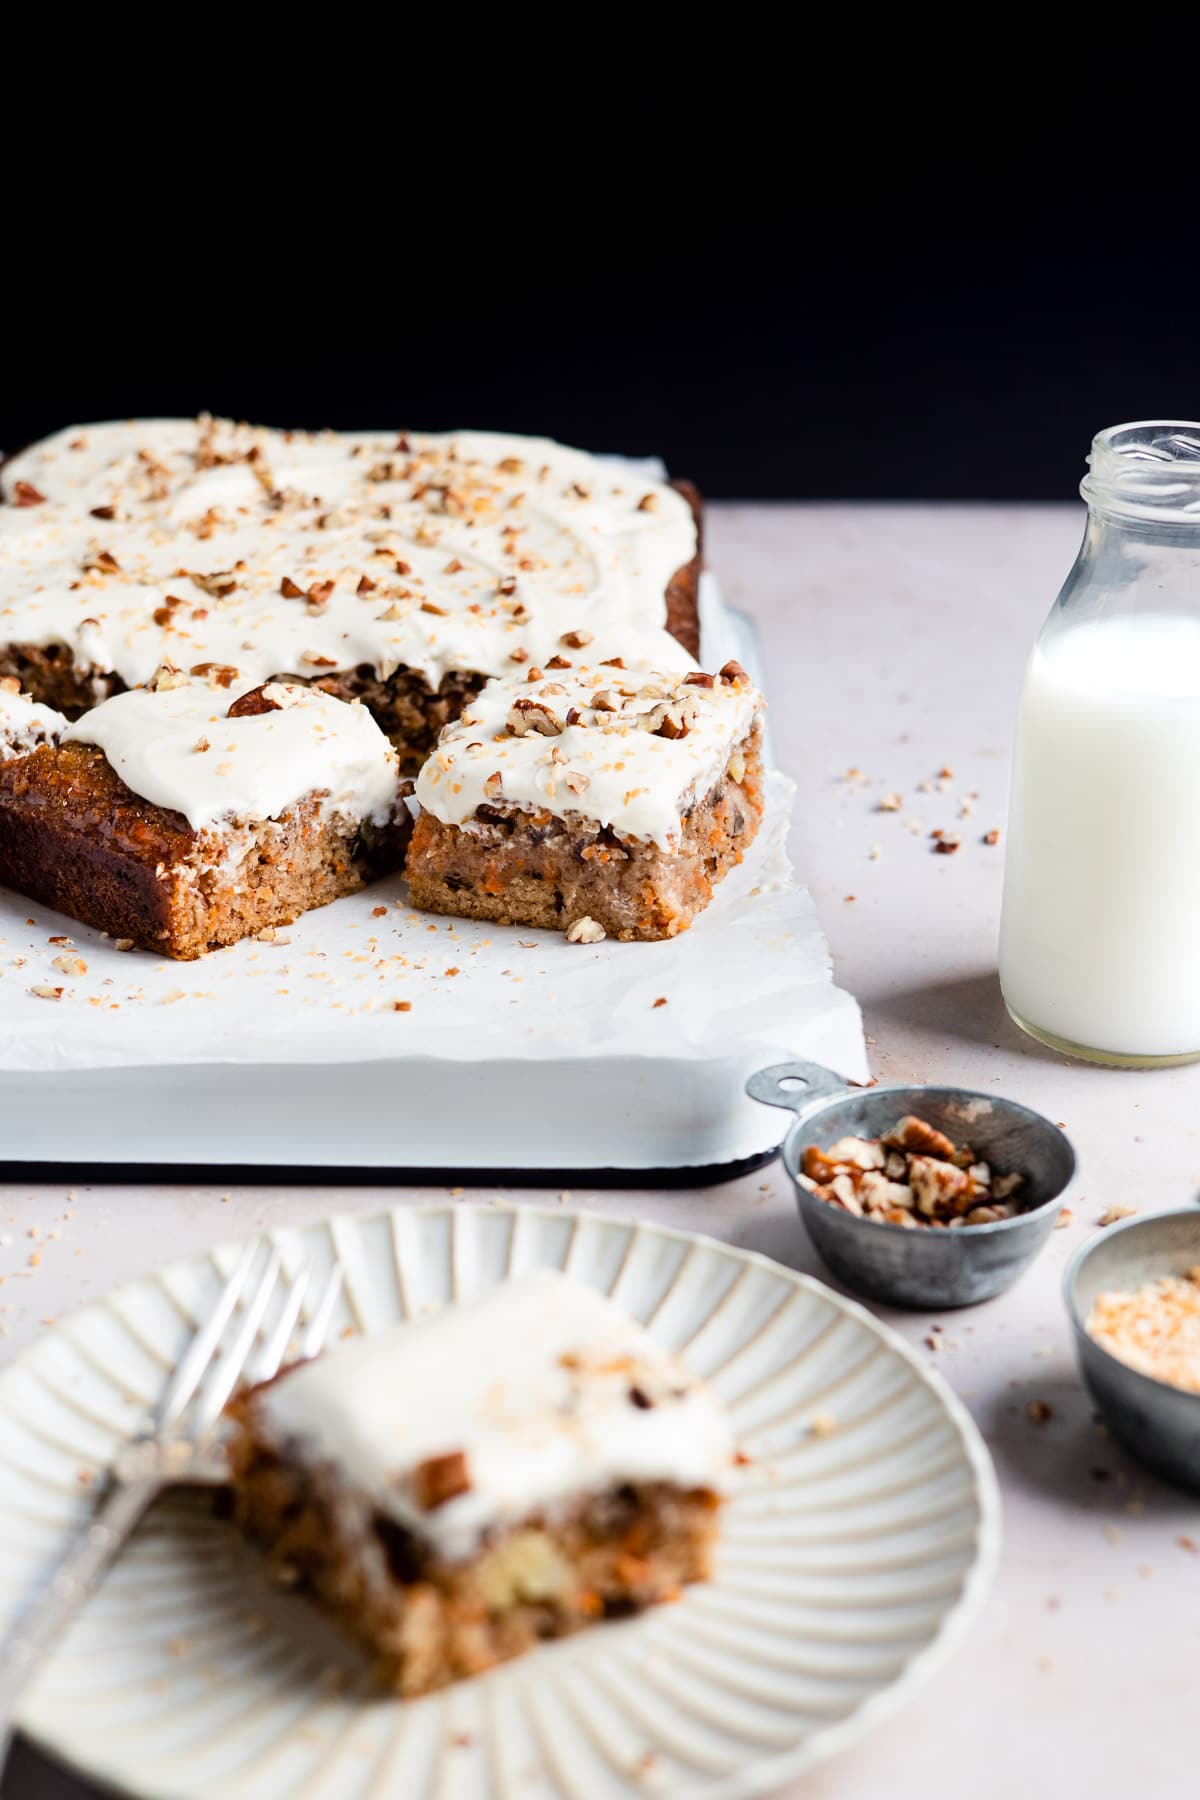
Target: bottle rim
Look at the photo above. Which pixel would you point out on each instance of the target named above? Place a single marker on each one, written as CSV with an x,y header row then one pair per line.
x,y
1149,469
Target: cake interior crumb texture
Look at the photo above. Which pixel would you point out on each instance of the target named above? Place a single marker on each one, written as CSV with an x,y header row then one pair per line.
x,y
553,1466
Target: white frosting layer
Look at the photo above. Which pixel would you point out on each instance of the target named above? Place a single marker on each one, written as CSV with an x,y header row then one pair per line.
x,y
178,748
24,724
588,741
459,551
532,1382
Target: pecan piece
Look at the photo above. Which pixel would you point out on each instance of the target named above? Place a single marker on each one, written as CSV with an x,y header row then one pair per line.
x,y
439,1479
585,931
219,583
528,716
249,704
732,672
25,494
921,1138
216,674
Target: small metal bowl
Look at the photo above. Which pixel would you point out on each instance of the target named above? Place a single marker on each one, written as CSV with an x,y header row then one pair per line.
x,y
1156,1423
923,1268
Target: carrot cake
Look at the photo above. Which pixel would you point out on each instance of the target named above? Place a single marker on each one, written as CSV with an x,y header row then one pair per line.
x,y
188,814
508,1469
400,570
589,798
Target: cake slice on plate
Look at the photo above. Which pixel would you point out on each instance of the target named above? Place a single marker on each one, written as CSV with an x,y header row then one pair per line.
x,y
598,800
508,1469
188,814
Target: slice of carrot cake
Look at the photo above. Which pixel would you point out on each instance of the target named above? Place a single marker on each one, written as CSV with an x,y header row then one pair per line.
x,y
595,800
186,815
509,1469
403,570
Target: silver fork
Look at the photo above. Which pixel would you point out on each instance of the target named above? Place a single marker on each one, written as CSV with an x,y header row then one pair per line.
x,y
179,1446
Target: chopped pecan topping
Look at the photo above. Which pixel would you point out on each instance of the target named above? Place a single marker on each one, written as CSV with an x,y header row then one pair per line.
x,y
494,785
914,1175
560,662
219,583
528,716
256,701
221,675
25,494
103,561
575,640
103,512
315,660
319,593
732,672
605,701
365,585
648,503
439,1479
290,589
700,680
166,677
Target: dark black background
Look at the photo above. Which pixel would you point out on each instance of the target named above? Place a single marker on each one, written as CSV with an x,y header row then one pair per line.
x,y
792,274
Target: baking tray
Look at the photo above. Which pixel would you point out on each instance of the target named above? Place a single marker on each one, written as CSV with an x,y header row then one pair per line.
x,y
256,1105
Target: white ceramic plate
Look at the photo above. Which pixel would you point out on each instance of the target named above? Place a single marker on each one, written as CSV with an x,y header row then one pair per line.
x,y
857,1547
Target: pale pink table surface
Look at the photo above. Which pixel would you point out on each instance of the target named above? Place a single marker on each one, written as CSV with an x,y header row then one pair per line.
x,y
894,640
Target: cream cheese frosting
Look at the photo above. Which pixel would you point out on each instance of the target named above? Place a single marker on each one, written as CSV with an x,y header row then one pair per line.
x,y
627,746
24,723
544,1387
176,746
286,552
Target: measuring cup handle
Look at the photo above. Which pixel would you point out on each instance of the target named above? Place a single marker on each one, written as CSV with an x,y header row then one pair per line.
x,y
794,1085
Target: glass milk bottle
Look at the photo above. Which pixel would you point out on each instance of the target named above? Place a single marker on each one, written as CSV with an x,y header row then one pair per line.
x,y
1100,935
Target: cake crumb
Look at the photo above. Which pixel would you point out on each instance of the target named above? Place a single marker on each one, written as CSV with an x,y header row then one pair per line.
x,y
1112,1214
585,931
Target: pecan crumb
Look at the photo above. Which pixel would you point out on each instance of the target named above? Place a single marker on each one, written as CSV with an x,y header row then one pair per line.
x,y
248,705
585,931
439,1479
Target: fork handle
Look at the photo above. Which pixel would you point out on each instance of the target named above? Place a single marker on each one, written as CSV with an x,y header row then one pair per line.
x,y
73,1582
